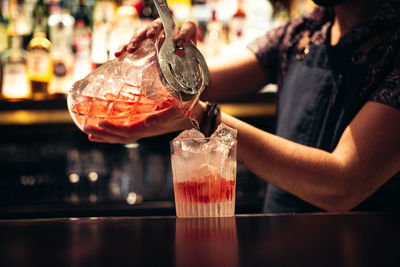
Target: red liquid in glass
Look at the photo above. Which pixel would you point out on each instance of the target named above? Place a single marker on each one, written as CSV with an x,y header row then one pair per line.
x,y
209,196
209,189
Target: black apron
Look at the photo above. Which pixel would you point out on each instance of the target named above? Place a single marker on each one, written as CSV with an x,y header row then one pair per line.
x,y
317,101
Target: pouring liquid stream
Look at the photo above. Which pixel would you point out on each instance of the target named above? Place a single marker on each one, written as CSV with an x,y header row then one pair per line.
x,y
188,114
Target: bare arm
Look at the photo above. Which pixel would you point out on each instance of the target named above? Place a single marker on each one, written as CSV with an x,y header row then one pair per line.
x,y
230,75
367,155
236,75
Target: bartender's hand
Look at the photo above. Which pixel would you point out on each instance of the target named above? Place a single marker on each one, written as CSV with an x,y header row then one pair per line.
x,y
187,33
162,122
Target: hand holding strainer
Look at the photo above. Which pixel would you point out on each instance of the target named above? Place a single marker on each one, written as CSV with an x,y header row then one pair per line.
x,y
186,75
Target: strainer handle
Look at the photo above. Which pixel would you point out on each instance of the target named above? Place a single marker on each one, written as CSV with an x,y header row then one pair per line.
x,y
166,17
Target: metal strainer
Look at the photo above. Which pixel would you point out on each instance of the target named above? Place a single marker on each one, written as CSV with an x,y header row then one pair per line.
x,y
186,75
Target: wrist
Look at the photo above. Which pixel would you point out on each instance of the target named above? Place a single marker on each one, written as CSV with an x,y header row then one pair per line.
x,y
211,118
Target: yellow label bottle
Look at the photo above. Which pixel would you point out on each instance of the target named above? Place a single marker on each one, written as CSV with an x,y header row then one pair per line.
x,y
39,65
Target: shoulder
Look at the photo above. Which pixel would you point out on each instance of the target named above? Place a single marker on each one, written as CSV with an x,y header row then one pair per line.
x,y
284,36
388,91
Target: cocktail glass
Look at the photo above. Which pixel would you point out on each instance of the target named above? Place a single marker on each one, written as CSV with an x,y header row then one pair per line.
x,y
204,177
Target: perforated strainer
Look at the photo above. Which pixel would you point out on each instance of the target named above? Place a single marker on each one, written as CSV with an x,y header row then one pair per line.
x,y
186,75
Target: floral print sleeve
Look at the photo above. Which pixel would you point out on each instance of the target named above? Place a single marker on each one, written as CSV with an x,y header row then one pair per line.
x,y
382,84
272,48
388,92
266,49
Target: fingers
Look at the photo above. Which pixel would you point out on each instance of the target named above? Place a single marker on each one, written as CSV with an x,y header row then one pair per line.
x,y
139,128
99,139
96,134
96,139
154,29
118,130
138,37
149,32
121,51
116,134
187,33
160,122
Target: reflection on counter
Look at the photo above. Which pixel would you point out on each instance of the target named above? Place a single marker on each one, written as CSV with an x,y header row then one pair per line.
x,y
206,242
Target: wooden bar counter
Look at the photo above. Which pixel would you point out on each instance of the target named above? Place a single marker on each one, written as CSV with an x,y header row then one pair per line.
x,y
350,239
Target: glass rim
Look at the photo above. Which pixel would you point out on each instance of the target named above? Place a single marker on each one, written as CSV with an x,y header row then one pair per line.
x,y
200,138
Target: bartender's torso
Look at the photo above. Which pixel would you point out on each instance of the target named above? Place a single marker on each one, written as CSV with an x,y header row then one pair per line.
x,y
319,98
323,88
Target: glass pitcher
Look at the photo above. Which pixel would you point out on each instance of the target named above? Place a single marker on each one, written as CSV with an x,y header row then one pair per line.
x,y
124,90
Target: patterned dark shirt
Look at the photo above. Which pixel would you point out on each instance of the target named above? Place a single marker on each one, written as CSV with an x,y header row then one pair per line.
x,y
382,84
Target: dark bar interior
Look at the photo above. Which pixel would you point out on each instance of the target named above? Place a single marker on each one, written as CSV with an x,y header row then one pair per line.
x,y
51,169
69,201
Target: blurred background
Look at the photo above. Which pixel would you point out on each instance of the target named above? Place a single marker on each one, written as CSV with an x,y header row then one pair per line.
x,y
48,167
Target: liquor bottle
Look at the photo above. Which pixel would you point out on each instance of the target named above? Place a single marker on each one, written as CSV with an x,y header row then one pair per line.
x,y
3,31
39,65
104,10
100,44
82,26
215,38
61,25
14,77
103,16
260,20
181,10
82,41
237,24
20,23
40,15
63,59
127,23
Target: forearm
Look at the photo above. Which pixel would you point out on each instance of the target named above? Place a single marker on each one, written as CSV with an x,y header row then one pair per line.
x,y
234,76
313,175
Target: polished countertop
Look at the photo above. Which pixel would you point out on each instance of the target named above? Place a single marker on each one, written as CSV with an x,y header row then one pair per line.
x,y
324,239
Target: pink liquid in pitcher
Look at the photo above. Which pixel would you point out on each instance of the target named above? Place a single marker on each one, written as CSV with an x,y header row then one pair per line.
x,y
125,108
